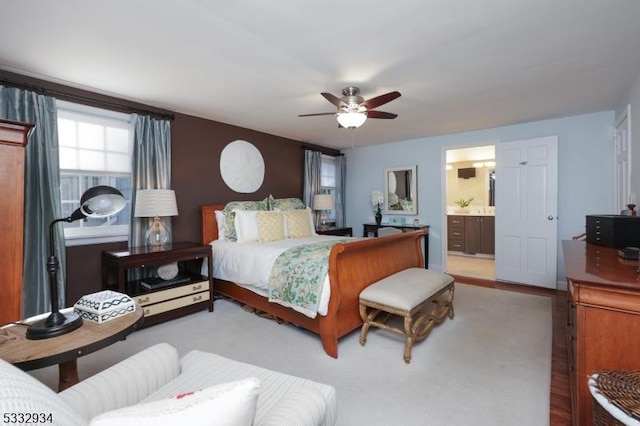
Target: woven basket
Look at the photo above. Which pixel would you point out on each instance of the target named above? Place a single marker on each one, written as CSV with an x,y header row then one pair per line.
x,y
622,389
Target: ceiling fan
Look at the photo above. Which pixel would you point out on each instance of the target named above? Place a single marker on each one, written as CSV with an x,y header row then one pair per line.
x,y
353,110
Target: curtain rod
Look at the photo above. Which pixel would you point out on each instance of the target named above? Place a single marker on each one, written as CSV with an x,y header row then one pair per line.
x,y
85,100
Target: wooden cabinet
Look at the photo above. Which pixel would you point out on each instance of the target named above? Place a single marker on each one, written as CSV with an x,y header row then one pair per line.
x,y
479,234
604,318
186,293
13,142
471,234
455,233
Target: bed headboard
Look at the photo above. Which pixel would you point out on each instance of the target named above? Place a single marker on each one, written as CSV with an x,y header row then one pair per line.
x,y
209,225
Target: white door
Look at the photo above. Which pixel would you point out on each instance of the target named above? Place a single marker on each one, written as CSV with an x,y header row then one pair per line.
x,y
526,211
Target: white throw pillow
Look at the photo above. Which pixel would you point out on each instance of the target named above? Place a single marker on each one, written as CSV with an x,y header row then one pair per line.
x,y
246,225
222,226
228,404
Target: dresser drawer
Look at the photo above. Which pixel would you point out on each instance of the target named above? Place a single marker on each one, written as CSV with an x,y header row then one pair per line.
x,y
170,305
172,293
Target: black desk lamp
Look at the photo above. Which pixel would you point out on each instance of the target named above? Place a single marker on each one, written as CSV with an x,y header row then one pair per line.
x,y
97,202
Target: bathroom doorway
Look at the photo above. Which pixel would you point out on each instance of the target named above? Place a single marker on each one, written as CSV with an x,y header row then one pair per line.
x,y
470,212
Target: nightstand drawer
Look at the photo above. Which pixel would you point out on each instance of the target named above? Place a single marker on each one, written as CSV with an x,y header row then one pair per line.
x,y
170,305
172,293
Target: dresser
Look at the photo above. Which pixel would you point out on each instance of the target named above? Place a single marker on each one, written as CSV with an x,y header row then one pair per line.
x,y
603,325
13,142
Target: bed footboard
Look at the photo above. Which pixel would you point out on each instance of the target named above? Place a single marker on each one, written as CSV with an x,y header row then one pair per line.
x,y
352,267
355,266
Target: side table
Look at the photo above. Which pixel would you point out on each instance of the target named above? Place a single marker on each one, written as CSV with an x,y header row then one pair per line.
x,y
333,230
188,292
63,350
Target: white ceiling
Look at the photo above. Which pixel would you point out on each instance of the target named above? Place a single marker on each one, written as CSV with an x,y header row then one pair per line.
x,y
459,64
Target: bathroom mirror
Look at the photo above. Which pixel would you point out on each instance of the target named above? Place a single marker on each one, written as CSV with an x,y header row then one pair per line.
x,y
401,190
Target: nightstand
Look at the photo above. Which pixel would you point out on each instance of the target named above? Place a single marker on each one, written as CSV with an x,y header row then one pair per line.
x,y
162,299
332,230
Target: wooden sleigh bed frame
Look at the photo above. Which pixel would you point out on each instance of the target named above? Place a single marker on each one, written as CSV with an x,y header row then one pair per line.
x,y
352,267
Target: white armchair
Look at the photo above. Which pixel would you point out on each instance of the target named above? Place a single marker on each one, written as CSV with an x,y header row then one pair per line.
x,y
157,387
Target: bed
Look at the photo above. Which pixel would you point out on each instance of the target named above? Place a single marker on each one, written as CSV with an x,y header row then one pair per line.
x,y
353,266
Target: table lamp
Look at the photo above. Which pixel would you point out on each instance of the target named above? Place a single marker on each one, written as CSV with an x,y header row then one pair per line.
x,y
156,203
97,202
323,202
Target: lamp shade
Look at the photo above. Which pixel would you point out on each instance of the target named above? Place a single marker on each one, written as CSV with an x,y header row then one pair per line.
x,y
323,202
101,201
351,120
155,203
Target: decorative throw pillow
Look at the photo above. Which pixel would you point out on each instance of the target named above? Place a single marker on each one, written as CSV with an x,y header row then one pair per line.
x,y
270,226
285,204
298,223
230,216
228,404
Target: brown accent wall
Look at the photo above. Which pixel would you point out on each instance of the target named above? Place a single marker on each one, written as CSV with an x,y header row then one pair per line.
x,y
196,145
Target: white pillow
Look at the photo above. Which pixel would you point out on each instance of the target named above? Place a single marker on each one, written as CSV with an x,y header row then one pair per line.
x,y
222,225
228,404
246,225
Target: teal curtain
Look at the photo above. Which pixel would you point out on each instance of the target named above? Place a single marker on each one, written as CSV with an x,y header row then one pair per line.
x,y
341,185
42,195
312,179
151,168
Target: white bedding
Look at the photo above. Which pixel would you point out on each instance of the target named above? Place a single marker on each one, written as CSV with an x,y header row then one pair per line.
x,y
249,264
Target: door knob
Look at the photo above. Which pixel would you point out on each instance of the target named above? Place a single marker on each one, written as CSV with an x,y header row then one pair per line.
x,y
550,217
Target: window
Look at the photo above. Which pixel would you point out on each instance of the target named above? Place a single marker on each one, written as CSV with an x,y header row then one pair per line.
x,y
328,181
94,149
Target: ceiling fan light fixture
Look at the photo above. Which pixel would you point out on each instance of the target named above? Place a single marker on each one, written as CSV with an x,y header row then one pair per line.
x,y
351,120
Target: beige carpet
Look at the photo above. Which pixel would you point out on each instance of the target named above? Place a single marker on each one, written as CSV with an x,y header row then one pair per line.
x,y
490,365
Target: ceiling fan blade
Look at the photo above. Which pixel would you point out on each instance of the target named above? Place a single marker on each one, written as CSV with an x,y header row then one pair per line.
x,y
381,114
333,99
320,113
381,100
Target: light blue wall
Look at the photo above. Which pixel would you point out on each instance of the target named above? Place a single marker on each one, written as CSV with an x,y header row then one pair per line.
x,y
584,177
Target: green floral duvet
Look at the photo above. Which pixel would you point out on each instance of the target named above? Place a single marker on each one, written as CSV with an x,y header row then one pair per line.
x,y
298,275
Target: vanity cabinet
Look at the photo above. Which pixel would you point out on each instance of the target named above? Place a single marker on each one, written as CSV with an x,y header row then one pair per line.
x,y
479,234
471,234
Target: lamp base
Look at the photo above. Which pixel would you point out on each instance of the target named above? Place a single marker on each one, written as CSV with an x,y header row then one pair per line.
x,y
54,325
157,235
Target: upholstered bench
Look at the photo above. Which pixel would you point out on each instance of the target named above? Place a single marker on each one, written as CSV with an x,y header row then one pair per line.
x,y
423,297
